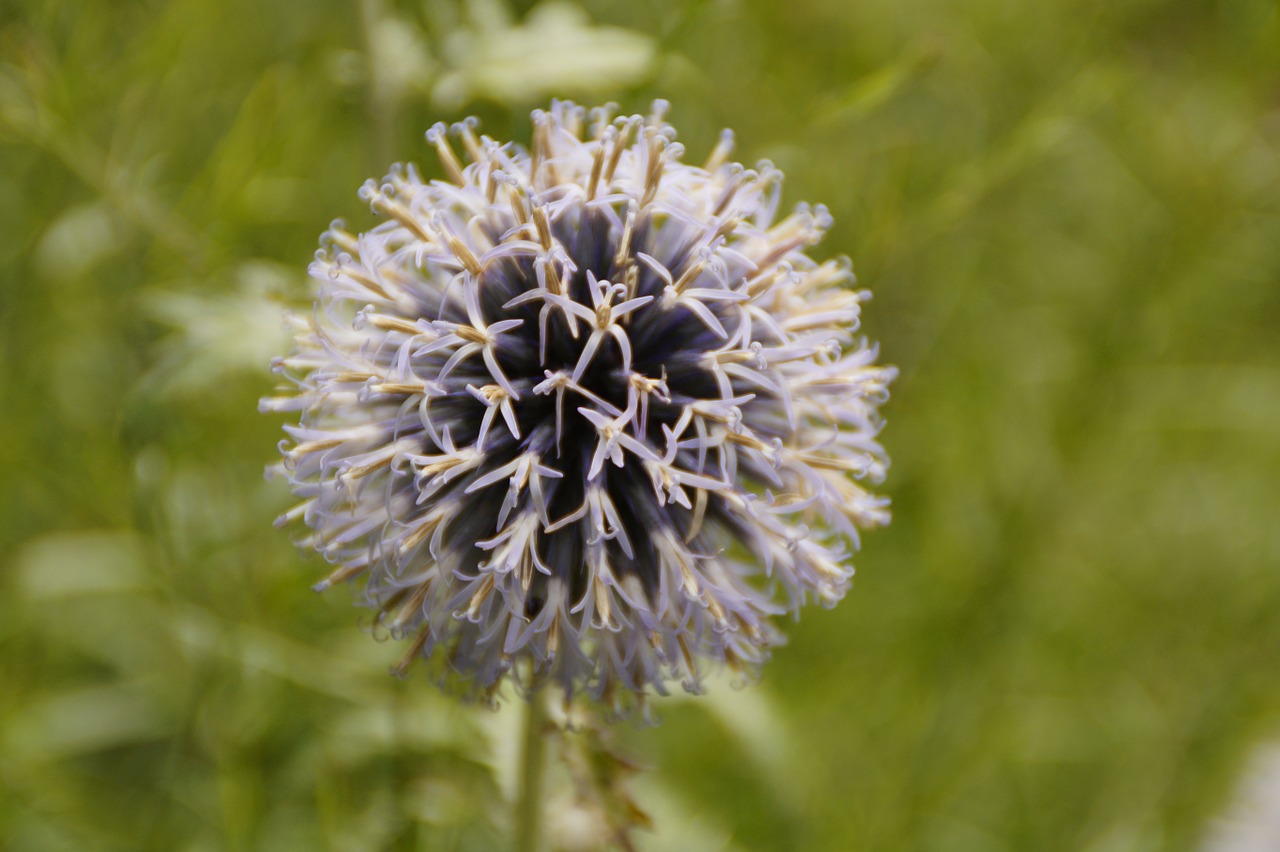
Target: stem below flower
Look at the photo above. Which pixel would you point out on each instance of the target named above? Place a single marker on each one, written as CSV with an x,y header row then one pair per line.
x,y
528,816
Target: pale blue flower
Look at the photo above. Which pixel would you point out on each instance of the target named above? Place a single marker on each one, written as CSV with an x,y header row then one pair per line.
x,y
585,414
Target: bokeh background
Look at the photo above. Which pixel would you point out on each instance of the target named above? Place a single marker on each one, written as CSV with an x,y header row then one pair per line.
x,y
1069,212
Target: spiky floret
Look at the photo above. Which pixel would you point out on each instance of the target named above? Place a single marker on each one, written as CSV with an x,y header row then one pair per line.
x,y
586,413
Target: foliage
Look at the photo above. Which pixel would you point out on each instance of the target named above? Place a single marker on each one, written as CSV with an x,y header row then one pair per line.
x,y
1068,213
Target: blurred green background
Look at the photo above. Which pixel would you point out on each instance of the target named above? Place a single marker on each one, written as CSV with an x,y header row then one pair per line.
x,y
1069,212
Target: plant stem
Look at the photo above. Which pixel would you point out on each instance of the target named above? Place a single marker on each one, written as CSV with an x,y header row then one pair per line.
x,y
528,821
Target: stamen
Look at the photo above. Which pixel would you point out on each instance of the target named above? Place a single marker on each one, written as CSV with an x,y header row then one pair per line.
x,y
486,586
413,605
390,323
538,149
699,512
466,129
623,140
437,137
379,198
720,153
623,254
597,165
401,668
341,575
518,199
657,148
543,225
470,334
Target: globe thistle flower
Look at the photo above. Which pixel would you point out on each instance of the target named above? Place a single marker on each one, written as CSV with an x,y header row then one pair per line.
x,y
584,414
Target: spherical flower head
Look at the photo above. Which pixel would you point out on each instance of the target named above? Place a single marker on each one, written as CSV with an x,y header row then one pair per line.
x,y
584,414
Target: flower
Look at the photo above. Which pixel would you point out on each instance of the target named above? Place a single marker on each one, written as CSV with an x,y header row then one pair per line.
x,y
585,414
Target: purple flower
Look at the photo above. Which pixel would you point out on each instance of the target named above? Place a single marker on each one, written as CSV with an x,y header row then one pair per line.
x,y
586,414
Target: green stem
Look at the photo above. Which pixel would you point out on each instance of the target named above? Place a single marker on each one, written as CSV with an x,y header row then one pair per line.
x,y
528,821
